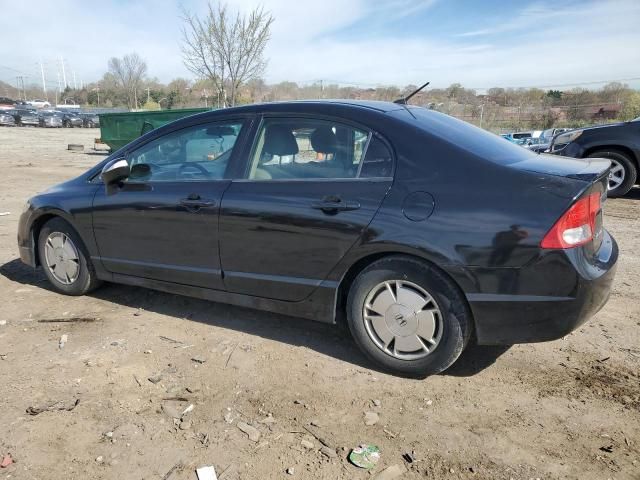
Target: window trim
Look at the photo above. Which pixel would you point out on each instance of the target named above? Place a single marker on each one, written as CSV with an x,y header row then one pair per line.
x,y
328,118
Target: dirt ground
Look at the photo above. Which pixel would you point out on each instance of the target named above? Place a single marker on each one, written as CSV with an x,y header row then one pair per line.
x,y
135,358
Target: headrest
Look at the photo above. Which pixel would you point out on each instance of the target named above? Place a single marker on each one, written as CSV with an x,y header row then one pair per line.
x,y
323,140
278,140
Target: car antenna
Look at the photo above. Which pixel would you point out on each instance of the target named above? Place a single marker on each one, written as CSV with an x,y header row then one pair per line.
x,y
404,100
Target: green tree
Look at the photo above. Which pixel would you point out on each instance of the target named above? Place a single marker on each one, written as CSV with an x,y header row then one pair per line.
x,y
631,108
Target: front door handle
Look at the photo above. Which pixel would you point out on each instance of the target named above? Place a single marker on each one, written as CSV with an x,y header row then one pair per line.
x,y
334,204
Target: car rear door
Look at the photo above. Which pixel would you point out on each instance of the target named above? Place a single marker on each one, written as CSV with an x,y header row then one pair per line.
x,y
310,188
162,222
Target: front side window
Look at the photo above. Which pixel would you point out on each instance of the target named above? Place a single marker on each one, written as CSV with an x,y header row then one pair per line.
x,y
299,148
195,153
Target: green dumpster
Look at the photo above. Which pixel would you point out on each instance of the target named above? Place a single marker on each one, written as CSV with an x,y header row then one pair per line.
x,y
118,129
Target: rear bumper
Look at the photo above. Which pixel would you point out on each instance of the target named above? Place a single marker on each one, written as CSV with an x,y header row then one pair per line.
x,y
575,288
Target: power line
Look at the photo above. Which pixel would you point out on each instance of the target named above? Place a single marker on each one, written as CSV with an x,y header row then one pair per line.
x,y
328,82
576,84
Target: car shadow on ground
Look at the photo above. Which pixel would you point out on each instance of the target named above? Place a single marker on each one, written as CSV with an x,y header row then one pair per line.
x,y
633,194
331,340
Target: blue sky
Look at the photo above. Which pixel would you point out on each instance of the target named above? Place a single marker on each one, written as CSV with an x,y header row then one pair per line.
x,y
477,43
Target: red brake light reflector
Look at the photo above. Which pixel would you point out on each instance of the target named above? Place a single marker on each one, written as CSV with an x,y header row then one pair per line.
x,y
576,226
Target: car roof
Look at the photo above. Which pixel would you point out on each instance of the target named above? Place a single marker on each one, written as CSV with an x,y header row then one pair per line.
x,y
378,106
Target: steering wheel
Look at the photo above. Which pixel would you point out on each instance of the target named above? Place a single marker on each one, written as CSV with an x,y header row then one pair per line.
x,y
197,166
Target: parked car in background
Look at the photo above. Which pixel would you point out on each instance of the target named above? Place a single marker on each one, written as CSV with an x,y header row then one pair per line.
x,y
50,119
6,103
531,143
521,135
71,119
548,134
6,118
330,210
544,140
90,120
39,103
618,142
25,118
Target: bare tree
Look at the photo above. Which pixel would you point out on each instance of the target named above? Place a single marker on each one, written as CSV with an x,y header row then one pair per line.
x,y
129,71
227,50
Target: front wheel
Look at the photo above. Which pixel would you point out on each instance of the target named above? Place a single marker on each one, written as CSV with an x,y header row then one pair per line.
x,y
65,260
408,317
623,173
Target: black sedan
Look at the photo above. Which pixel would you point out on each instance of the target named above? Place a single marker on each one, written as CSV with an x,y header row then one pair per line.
x,y
618,142
25,118
50,119
7,119
71,119
90,120
420,230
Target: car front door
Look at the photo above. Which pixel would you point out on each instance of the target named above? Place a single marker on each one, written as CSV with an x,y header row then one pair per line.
x,y
310,189
161,223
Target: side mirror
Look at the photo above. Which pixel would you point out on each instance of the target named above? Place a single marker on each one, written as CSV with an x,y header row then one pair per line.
x,y
115,171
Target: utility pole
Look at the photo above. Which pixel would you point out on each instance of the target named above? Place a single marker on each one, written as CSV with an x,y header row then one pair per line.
x,y
481,114
97,90
147,94
20,85
64,74
44,83
75,86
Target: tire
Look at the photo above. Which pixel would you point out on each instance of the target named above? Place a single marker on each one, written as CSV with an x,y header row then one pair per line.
x,y
630,171
79,282
453,323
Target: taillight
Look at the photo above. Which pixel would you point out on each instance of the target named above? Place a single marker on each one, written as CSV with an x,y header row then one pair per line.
x,y
577,226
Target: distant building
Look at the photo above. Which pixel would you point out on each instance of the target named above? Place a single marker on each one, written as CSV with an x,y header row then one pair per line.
x,y
604,112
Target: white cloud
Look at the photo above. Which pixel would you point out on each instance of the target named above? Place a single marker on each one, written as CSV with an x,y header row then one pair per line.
x,y
542,45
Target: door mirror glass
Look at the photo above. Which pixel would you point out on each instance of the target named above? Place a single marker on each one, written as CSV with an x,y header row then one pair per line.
x,y
115,171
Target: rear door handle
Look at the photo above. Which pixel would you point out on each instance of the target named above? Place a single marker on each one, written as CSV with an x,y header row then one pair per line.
x,y
196,203
335,205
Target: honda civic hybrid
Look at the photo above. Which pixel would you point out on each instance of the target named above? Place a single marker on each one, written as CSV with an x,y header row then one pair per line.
x,y
419,231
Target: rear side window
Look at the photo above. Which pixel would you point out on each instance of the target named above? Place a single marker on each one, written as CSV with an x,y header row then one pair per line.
x,y
303,148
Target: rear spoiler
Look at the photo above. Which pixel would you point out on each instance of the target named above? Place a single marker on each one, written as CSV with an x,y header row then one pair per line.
x,y
595,169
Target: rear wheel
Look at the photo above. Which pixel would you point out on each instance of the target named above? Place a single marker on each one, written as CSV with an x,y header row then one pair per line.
x,y
65,260
408,317
623,174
